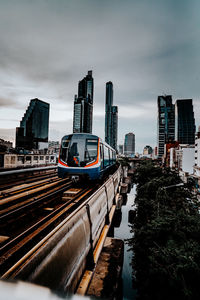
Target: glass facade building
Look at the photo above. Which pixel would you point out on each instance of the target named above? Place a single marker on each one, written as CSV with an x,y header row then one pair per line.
x,y
108,112
165,123
34,126
83,105
129,144
114,127
185,122
111,118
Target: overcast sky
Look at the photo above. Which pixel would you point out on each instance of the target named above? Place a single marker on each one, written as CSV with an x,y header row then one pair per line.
x,y
145,47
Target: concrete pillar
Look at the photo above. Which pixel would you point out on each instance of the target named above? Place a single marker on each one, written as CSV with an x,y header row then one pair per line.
x,y
106,282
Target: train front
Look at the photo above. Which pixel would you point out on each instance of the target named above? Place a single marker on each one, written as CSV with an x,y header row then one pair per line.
x,y
79,156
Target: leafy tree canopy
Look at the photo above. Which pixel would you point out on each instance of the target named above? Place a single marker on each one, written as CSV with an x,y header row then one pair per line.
x,y
166,237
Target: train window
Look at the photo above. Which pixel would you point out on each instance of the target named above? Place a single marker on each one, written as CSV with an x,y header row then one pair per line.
x,y
101,155
75,154
106,156
41,157
109,152
78,151
47,157
111,157
35,157
52,158
101,151
91,150
28,158
65,144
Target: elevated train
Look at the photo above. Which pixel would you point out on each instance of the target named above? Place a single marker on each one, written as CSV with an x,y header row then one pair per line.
x,y
85,155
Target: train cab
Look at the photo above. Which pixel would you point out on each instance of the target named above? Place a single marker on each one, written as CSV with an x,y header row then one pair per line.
x,y
78,152
84,155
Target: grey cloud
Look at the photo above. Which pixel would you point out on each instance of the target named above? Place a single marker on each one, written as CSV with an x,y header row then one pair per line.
x,y
145,48
5,102
7,134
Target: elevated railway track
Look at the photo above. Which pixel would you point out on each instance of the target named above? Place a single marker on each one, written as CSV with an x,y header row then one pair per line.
x,y
27,201
16,247
49,229
9,179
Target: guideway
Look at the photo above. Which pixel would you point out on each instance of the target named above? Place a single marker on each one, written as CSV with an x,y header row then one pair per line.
x,y
59,259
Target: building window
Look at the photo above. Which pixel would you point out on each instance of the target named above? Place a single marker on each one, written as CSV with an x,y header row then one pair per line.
x,y
20,158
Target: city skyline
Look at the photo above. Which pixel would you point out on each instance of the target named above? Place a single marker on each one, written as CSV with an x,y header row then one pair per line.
x,y
146,48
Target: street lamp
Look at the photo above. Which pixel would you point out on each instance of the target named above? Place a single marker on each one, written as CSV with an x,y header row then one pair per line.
x,y
171,186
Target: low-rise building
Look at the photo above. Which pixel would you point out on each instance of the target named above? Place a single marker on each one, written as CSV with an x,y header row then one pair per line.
x,y
182,159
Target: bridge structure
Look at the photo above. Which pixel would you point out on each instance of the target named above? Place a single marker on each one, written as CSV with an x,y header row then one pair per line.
x,y
133,162
60,257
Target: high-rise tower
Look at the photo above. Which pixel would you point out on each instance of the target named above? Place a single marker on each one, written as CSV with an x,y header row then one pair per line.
x,y
166,123
129,144
185,122
83,105
114,127
34,126
108,116
111,117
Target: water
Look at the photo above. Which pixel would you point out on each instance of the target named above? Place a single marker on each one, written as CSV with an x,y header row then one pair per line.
x,y
123,232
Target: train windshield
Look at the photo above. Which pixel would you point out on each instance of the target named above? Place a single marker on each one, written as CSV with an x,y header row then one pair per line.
x,y
78,151
91,150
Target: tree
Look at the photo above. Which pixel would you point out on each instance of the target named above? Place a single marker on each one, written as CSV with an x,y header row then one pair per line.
x,y
166,238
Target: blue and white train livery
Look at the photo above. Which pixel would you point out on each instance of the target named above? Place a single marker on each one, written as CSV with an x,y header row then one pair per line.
x,y
84,155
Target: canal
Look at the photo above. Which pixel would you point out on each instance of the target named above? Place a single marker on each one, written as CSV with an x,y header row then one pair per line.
x,y
123,232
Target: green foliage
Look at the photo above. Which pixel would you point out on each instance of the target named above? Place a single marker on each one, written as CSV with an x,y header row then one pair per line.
x,y
166,238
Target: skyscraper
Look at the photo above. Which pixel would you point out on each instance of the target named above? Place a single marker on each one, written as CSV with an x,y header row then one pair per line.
x,y
114,127
34,126
129,144
111,117
166,123
83,105
185,122
108,116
